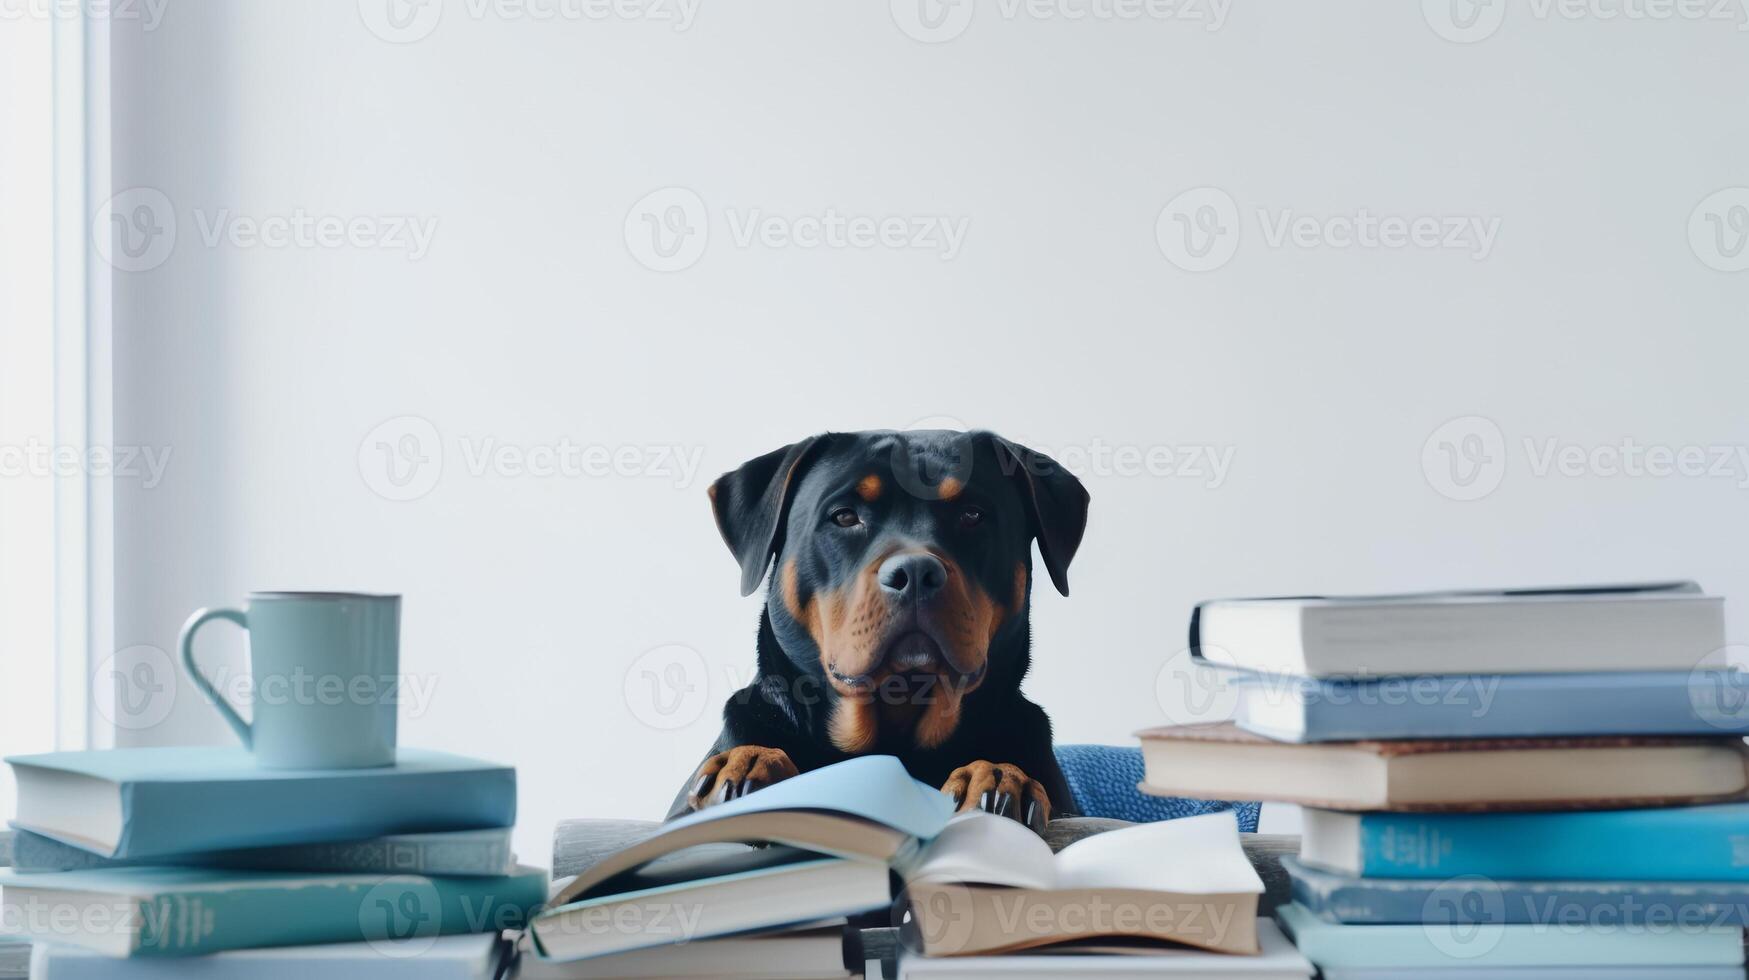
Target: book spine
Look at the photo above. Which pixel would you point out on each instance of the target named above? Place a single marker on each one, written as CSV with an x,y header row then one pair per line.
x,y
1679,844
367,908
462,853
1503,706
180,818
1555,904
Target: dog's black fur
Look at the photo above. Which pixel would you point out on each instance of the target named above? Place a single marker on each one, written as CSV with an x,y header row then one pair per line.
x,y
896,613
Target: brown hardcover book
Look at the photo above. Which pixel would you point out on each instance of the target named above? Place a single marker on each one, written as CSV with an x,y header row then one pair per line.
x,y
1222,762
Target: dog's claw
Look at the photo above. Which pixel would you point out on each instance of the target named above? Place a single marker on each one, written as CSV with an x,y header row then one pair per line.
x,y
1001,790
733,774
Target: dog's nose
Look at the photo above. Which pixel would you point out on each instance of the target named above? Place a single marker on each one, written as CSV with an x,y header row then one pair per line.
x,y
912,575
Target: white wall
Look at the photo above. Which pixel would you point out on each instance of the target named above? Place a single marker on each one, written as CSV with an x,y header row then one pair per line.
x,y
529,320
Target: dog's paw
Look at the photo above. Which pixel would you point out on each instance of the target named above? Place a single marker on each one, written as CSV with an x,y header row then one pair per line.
x,y
737,772
1001,789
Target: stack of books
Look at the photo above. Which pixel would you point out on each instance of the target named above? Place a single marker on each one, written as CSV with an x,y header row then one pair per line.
x,y
136,862
1533,784
775,884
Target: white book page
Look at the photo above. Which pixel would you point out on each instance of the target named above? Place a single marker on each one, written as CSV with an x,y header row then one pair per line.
x,y
1191,856
983,849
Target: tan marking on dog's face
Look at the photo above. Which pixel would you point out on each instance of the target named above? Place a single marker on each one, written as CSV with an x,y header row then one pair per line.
x,y
849,626
792,599
1019,587
949,488
854,725
869,488
941,715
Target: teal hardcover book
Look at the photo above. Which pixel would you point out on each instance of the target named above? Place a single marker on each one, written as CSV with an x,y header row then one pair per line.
x,y
154,802
477,957
188,911
1692,843
456,852
1333,945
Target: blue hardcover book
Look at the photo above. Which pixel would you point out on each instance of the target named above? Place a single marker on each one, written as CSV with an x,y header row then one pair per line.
x,y
476,957
1475,900
1337,946
1290,708
188,911
456,852
136,803
1694,843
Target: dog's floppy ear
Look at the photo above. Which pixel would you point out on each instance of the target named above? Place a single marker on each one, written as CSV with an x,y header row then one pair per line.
x,y
749,503
1055,500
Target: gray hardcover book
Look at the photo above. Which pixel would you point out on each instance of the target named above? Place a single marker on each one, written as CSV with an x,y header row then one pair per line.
x,y
462,852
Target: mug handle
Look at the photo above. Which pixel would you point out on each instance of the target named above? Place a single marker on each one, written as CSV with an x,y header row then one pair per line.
x,y
200,618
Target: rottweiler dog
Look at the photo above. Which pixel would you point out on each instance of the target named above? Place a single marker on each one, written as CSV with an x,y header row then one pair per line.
x,y
895,618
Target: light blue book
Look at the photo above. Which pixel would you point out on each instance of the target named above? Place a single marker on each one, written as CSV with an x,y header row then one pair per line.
x,y
833,835
456,852
152,912
1291,708
1337,946
154,802
1694,843
475,957
1473,899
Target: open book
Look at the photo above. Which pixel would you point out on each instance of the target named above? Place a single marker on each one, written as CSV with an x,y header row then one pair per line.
x,y
987,884
830,835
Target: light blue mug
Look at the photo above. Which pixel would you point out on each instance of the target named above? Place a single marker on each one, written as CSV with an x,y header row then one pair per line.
x,y
325,675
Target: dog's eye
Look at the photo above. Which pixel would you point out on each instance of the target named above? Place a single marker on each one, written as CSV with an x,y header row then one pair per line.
x,y
845,517
971,517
